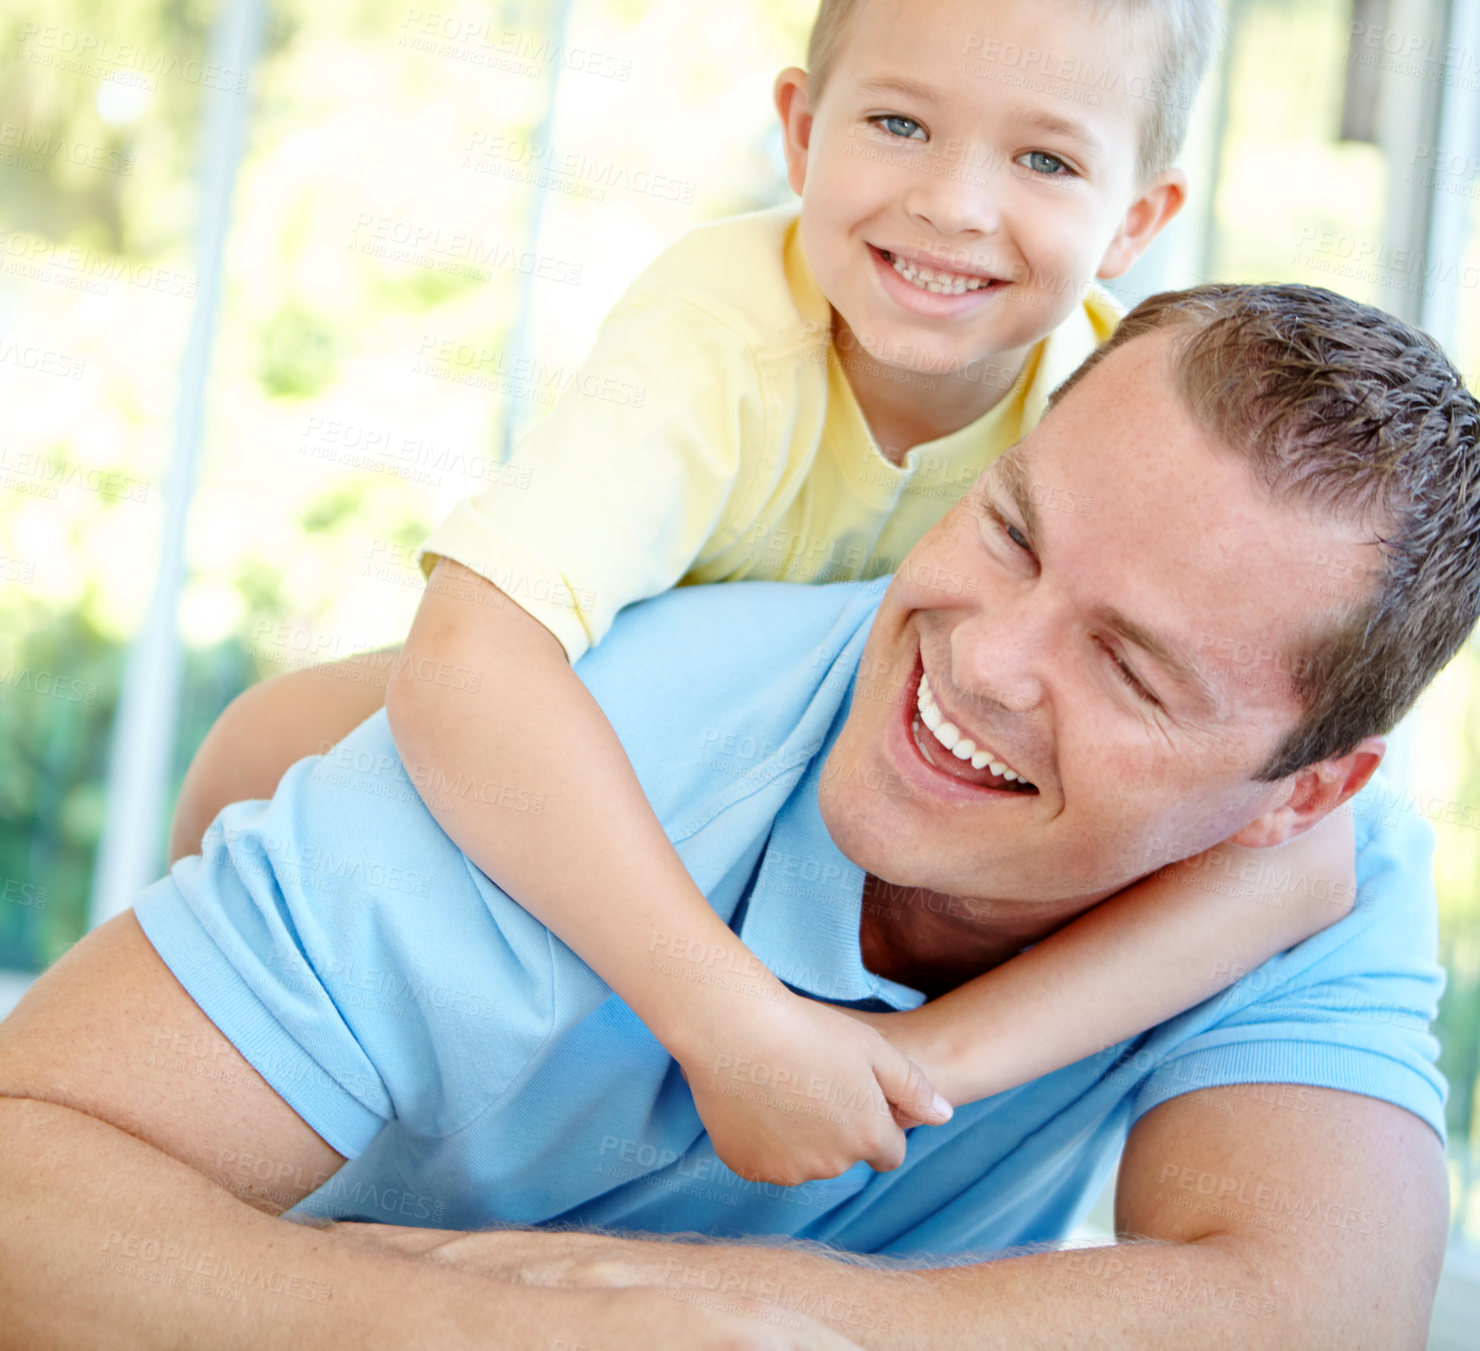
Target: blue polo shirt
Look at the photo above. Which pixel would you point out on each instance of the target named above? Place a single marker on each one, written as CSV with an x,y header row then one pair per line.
x,y
475,1071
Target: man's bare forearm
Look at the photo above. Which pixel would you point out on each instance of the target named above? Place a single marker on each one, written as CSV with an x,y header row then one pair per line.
x,y
1213,1294
107,1242
1129,1295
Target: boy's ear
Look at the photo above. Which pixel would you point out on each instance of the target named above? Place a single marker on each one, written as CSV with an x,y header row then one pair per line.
x,y
1314,793
1159,201
790,93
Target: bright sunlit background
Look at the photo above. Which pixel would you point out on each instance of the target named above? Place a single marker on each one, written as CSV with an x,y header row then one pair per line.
x,y
432,208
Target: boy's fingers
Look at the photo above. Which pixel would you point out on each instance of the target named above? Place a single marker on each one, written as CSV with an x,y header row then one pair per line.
x,y
909,1092
888,1156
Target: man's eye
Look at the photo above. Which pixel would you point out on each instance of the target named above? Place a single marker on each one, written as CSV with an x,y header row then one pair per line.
x,y
995,515
903,127
1129,677
1041,162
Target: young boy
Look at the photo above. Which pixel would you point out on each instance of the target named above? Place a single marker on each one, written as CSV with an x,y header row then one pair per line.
x,y
816,389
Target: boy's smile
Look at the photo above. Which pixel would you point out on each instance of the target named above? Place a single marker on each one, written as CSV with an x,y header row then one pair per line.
x,y
955,209
924,282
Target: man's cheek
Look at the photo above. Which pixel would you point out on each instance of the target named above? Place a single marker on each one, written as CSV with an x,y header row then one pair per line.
x,y
1105,843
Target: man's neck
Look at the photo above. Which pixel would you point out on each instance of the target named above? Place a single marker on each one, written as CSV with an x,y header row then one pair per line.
x,y
933,943
905,408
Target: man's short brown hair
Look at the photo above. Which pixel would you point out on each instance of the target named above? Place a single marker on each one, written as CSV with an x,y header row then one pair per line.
x,y
1183,35
1351,412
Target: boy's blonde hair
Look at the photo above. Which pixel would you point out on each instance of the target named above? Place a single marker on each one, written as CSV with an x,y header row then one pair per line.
x,y
1185,33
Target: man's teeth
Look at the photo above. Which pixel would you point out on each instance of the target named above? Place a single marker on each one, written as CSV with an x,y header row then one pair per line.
x,y
941,283
949,736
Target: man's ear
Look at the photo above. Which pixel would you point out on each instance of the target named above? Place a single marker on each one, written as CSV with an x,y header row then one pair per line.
x,y
1314,793
1159,201
790,93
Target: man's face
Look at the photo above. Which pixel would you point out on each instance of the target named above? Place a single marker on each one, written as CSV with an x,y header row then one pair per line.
x,y
1108,613
940,141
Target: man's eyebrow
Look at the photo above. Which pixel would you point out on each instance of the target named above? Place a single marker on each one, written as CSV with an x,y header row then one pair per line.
x,y
1014,478
1183,669
891,84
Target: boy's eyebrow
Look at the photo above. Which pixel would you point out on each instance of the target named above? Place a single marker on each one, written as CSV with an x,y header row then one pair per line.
x,y
893,84
1014,478
1053,124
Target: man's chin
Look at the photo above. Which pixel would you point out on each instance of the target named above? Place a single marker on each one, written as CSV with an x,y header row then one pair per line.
x,y
867,842
899,864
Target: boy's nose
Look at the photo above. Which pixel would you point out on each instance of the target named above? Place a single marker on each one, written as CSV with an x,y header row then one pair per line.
x,y
954,198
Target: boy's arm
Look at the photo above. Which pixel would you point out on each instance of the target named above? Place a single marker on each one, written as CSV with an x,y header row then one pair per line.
x,y
270,727
1148,953
483,693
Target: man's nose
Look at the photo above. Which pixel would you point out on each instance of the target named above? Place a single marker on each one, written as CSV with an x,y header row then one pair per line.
x,y
1001,655
954,197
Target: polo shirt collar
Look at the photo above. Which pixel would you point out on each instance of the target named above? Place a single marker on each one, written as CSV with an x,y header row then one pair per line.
x,y
804,908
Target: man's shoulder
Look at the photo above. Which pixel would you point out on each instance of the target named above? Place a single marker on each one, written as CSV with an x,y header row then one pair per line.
x,y
707,684
1349,1008
722,644
1389,941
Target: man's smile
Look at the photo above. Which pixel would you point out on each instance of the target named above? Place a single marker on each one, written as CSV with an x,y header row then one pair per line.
x,y
952,737
933,769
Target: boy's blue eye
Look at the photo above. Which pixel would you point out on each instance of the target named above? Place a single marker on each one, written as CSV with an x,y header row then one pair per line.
x,y
903,127
1041,162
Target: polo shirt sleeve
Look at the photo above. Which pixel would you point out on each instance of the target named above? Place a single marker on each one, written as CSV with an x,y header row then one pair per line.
x,y
356,959
1349,1008
614,494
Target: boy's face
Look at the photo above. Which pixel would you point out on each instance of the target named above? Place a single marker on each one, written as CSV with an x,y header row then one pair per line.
x,y
992,140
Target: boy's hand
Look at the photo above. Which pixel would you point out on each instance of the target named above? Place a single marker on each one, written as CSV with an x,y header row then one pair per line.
x,y
792,1090
910,1036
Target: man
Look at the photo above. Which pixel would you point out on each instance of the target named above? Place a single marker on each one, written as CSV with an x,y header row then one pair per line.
x,y
1207,650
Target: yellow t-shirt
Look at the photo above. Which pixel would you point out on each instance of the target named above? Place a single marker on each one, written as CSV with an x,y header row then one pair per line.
x,y
713,436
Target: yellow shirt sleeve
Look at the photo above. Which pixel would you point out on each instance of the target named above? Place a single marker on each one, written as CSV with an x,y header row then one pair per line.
x,y
712,435
627,477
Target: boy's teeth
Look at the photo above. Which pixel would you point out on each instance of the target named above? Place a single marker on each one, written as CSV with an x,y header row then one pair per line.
x,y
949,736
940,283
